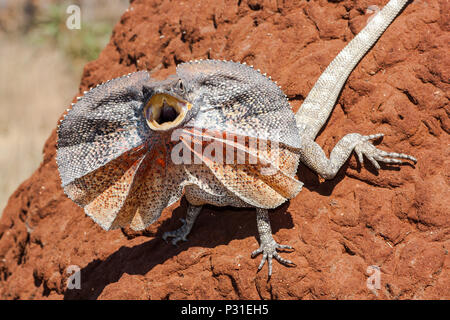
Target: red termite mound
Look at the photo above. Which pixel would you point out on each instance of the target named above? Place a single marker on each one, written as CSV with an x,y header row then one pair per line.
x,y
396,219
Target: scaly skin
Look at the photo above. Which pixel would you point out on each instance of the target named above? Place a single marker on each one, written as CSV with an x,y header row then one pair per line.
x,y
116,150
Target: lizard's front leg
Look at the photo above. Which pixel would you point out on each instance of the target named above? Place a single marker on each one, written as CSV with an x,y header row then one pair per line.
x,y
268,247
312,155
185,229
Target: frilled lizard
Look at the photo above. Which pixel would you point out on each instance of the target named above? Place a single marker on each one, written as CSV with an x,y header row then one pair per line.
x,y
219,131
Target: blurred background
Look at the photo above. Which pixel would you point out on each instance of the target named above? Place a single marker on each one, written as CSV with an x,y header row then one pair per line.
x,y
41,62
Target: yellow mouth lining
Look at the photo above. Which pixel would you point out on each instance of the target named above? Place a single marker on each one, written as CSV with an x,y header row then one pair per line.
x,y
158,119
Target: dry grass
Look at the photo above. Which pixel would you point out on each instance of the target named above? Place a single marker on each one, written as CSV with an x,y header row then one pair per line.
x,y
35,87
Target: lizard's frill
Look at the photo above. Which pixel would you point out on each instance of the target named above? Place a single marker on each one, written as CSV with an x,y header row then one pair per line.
x,y
238,99
109,161
259,172
102,125
130,190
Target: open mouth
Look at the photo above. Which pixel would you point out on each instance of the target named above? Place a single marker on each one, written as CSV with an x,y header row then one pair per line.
x,y
164,111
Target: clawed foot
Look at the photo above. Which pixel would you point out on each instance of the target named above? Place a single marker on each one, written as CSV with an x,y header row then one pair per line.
x,y
269,251
182,233
179,234
366,148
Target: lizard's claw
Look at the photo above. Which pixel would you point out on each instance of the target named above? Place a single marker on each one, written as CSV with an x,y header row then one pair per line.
x,y
366,148
177,235
269,251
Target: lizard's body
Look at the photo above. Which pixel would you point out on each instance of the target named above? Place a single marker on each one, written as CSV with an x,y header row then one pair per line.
x,y
115,146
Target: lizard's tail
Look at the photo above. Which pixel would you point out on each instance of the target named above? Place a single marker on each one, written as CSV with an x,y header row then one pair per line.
x,y
319,103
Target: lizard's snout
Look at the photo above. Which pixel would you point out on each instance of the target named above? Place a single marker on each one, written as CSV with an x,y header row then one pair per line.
x,y
164,112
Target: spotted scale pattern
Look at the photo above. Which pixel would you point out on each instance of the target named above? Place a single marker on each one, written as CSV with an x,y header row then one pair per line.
x,y
265,184
102,125
236,98
103,192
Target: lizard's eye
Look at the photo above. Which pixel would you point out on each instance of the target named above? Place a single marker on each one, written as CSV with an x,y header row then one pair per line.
x,y
181,86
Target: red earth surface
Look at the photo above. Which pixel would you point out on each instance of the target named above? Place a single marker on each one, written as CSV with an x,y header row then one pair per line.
x,y
396,219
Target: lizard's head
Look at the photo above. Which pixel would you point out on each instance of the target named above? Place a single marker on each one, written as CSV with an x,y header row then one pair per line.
x,y
168,105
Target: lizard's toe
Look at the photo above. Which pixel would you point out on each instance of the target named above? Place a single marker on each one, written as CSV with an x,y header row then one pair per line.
x,y
178,235
269,251
374,155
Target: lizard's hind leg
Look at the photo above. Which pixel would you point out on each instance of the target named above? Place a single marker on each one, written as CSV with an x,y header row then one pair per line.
x,y
268,247
312,155
185,229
